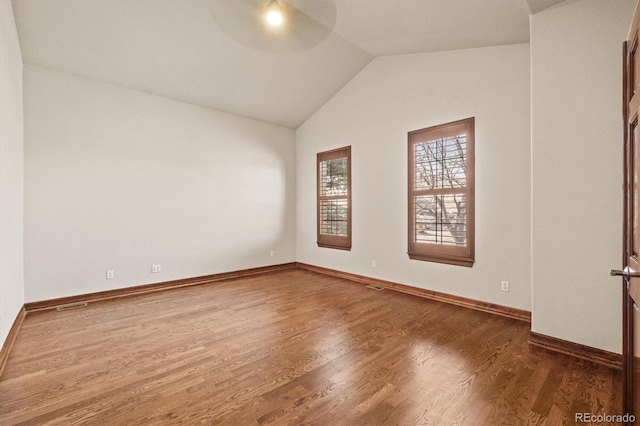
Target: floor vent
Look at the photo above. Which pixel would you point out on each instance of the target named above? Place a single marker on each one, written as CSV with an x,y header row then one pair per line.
x,y
375,287
74,306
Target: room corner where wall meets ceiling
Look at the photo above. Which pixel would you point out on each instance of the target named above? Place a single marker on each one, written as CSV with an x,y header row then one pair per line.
x,y
218,54
202,52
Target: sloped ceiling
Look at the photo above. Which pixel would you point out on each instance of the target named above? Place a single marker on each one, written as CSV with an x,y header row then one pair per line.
x,y
217,54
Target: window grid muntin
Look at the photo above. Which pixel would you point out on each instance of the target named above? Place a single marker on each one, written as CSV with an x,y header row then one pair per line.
x,y
429,159
334,177
431,212
334,217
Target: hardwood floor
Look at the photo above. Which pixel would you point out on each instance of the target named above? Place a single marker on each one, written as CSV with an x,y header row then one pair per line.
x,y
292,347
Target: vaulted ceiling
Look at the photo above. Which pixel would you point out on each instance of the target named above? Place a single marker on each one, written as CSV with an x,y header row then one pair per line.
x,y
219,54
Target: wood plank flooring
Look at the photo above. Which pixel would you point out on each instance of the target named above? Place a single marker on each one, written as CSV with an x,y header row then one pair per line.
x,y
292,347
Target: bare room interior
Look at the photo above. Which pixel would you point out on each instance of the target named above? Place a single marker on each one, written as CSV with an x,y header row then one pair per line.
x,y
208,216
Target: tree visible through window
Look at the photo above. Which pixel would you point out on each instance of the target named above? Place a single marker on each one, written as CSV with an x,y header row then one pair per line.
x,y
441,191
334,198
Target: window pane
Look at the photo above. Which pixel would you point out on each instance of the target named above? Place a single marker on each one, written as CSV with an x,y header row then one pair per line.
x,y
441,193
334,198
441,219
333,217
441,163
334,177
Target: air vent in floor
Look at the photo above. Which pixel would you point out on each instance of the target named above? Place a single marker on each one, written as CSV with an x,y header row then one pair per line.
x,y
74,306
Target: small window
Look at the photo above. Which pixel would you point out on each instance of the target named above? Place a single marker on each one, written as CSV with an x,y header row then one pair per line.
x,y
334,199
441,193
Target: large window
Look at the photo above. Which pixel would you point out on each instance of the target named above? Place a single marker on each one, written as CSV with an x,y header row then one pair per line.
x,y
441,193
334,199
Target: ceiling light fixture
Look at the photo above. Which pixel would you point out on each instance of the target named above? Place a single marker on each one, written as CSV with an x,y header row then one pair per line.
x,y
274,14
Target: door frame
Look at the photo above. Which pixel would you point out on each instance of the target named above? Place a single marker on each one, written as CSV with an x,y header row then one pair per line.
x,y
630,50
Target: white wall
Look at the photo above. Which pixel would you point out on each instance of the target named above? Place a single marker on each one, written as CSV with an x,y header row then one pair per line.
x,y
373,113
11,173
118,179
577,170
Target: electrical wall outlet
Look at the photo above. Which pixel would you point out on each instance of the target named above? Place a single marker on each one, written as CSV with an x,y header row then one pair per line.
x,y
109,275
272,253
155,269
505,285
374,264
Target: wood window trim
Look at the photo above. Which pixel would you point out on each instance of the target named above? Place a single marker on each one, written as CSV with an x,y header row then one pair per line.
x,y
333,241
453,255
